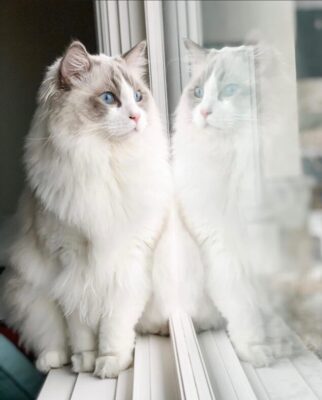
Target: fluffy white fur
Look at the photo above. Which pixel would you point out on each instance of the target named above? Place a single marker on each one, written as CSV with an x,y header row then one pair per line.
x,y
206,272
95,199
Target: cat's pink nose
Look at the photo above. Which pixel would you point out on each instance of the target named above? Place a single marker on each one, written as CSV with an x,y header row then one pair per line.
x,y
135,117
205,112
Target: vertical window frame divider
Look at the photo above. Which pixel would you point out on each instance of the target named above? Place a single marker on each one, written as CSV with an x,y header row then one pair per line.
x,y
182,19
114,26
156,51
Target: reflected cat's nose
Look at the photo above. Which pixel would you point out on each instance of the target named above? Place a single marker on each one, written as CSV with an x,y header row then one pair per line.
x,y
135,116
205,112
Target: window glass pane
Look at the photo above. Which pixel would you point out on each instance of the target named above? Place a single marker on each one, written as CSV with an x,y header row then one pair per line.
x,y
258,81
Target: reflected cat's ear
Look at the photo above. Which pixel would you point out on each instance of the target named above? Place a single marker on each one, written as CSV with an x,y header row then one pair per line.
x,y
74,64
194,49
196,54
136,58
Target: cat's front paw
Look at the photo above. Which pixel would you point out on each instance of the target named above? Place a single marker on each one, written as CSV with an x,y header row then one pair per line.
x,y
84,361
109,366
258,354
160,328
52,359
313,341
284,342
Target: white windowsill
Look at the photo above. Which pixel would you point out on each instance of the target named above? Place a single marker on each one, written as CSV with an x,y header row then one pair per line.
x,y
189,367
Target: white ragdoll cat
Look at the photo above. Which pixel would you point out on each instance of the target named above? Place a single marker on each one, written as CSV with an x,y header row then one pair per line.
x,y
97,190
201,262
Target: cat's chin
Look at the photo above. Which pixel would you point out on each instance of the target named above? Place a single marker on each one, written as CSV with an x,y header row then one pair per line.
x,y
205,125
208,128
125,135
215,128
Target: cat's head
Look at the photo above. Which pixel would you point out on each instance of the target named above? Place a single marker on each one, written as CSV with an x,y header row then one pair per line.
x,y
218,93
103,95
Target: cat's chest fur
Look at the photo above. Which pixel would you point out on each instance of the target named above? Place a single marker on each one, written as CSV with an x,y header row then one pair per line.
x,y
96,189
94,205
208,170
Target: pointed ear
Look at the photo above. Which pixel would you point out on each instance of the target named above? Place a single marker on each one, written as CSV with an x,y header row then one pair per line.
x,y
74,64
197,55
136,58
195,51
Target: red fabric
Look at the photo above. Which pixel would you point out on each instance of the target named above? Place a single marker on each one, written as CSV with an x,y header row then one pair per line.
x,y
9,334
14,338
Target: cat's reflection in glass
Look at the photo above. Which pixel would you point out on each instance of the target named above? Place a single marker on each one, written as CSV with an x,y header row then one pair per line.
x,y
219,188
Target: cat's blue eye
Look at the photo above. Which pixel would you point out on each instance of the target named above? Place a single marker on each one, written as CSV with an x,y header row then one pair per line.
x,y
198,92
137,96
108,97
229,90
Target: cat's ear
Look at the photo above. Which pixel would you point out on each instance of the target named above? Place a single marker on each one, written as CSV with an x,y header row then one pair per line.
x,y
195,51
74,64
197,55
136,58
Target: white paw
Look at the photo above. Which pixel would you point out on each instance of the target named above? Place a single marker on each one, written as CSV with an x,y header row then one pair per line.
x,y
111,365
312,340
164,330
285,346
51,359
84,361
283,341
258,354
161,328
202,325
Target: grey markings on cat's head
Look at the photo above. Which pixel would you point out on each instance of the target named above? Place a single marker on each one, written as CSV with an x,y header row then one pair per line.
x,y
218,95
107,95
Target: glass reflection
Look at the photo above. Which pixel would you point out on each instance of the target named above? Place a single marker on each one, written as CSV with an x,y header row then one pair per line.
x,y
253,170
224,122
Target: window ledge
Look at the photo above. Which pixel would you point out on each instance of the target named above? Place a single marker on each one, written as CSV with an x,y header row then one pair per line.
x,y
192,367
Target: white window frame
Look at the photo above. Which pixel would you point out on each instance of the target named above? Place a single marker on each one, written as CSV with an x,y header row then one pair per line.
x,y
119,25
122,24
182,20
157,63
115,36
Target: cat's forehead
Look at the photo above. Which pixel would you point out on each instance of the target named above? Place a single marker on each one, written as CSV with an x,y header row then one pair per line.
x,y
111,72
231,59
227,63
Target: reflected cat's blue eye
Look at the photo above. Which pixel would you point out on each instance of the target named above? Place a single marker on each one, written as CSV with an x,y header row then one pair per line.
x,y
108,97
229,90
138,96
198,92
